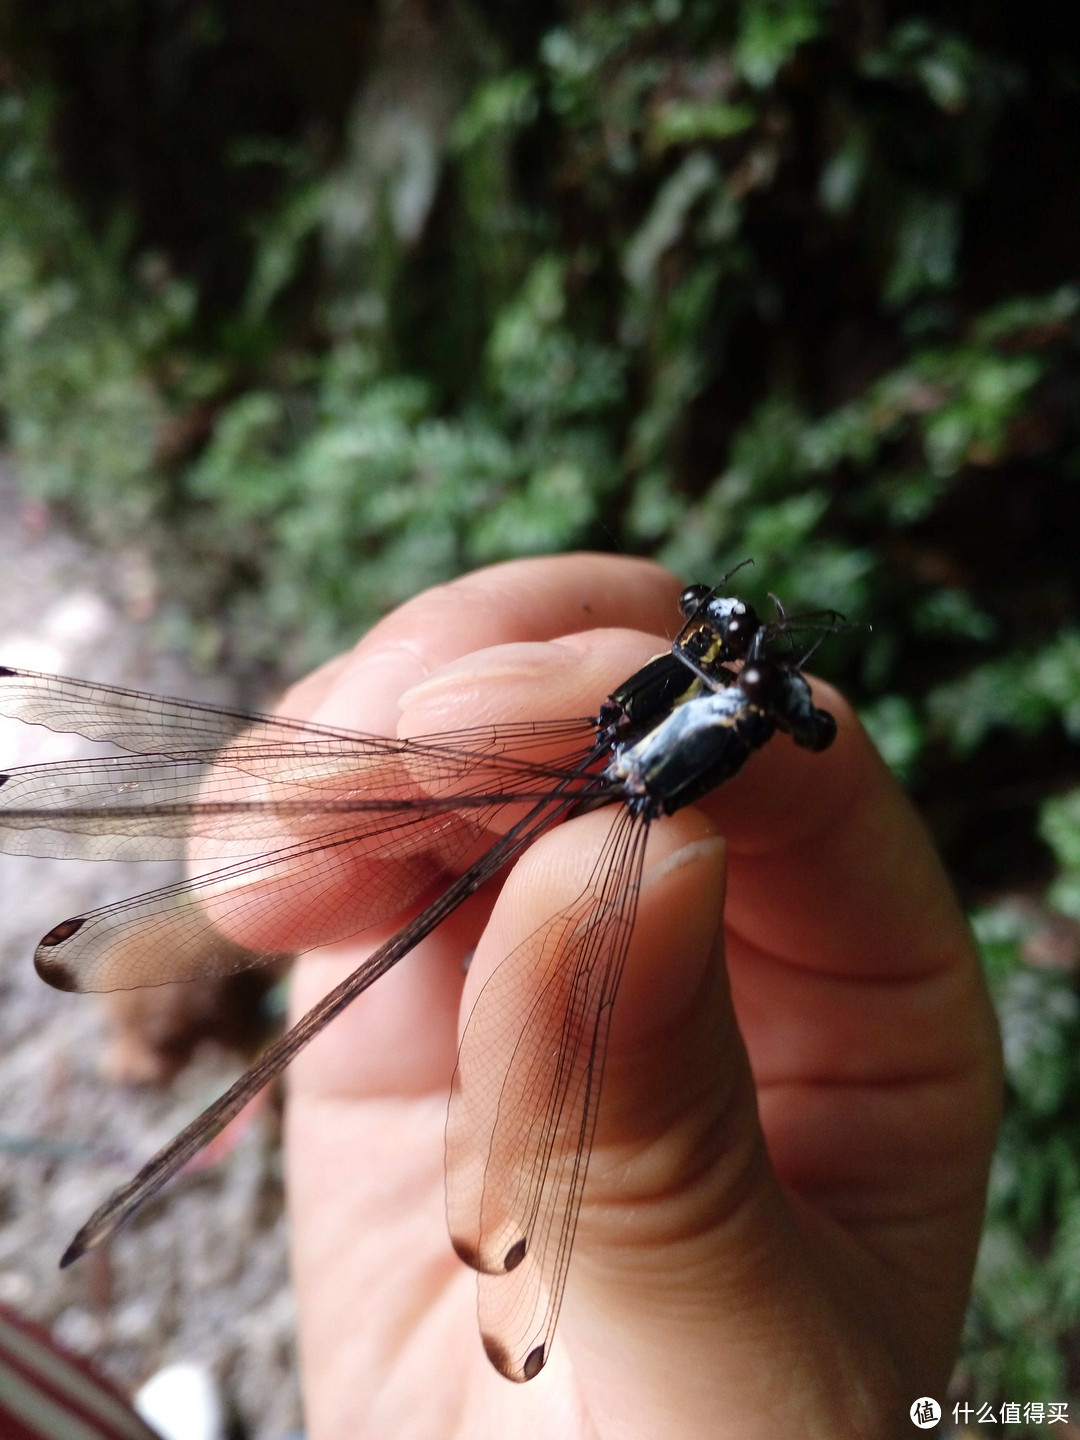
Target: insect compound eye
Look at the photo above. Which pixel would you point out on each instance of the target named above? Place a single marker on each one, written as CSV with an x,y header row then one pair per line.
x,y
761,682
741,629
691,598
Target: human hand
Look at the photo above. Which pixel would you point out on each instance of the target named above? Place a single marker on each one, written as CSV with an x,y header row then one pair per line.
x,y
781,1214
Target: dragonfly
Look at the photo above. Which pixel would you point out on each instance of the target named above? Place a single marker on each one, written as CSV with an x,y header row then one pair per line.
x,y
304,814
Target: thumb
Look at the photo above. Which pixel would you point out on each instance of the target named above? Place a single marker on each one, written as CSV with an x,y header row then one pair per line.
x,y
693,1286
681,1212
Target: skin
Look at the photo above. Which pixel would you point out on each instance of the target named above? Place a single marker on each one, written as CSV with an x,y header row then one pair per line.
x,y
800,1102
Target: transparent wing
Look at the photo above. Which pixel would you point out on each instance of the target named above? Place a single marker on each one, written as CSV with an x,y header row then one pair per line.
x,y
329,832
357,865
250,797
145,724
231,803
290,899
519,1135
172,1157
235,783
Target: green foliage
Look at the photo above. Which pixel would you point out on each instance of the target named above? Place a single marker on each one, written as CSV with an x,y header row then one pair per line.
x,y
769,34
1026,1299
81,408
1059,827
1023,692
705,279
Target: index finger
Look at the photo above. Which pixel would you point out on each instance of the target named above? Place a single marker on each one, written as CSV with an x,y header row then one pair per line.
x,y
521,600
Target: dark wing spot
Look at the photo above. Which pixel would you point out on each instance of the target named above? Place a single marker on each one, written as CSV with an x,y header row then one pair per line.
x,y
64,931
75,1251
54,972
4,779
499,1356
534,1362
466,1251
5,673
514,1256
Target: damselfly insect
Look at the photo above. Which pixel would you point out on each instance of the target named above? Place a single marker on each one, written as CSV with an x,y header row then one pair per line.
x,y
305,814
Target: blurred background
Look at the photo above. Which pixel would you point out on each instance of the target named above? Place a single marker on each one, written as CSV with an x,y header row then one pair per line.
x,y
306,306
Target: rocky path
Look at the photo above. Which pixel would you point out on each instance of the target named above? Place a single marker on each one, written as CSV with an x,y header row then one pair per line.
x,y
201,1274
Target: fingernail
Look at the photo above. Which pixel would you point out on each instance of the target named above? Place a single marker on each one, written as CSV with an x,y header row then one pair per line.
x,y
711,848
677,932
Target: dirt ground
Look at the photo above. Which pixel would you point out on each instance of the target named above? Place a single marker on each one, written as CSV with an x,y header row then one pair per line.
x,y
201,1273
